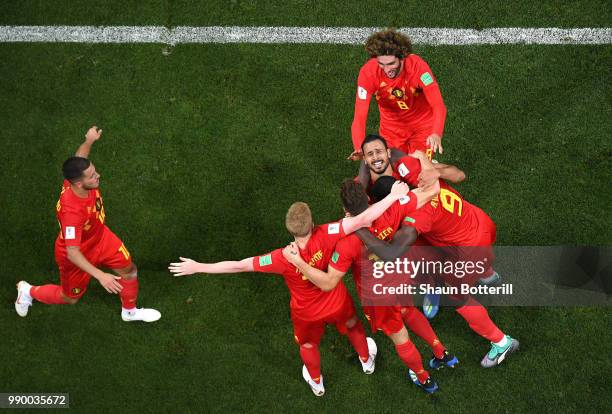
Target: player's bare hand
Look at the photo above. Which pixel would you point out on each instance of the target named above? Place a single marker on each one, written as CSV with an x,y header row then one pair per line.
x,y
434,141
399,189
356,155
93,134
292,254
184,267
110,283
418,154
428,177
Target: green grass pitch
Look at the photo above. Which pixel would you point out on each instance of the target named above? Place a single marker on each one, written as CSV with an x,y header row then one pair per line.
x,y
203,151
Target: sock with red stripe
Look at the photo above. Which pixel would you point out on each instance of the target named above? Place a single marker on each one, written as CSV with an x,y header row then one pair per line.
x,y
418,323
312,359
412,359
48,294
478,318
357,338
129,293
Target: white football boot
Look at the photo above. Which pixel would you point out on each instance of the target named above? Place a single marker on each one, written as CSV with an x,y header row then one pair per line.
x,y
24,300
370,365
140,314
317,389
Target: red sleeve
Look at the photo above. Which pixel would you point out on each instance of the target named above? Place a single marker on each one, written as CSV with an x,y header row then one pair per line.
x,y
365,89
273,262
420,219
409,169
71,222
407,204
344,254
333,232
431,90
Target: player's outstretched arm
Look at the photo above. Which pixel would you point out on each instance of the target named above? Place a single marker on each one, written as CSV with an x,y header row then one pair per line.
x,y
360,117
425,194
326,281
107,280
350,224
450,173
92,135
434,98
189,267
358,127
389,251
445,171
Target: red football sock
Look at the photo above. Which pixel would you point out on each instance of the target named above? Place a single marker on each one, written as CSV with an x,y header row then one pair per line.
x,y
129,293
418,323
49,294
412,359
478,318
312,360
357,338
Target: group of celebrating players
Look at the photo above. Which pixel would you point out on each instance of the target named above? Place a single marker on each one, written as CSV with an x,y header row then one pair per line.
x,y
400,199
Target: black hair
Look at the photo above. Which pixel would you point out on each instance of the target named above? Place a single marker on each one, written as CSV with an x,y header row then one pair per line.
x,y
372,138
382,187
73,168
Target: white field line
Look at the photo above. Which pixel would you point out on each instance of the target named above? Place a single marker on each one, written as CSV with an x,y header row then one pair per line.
x,y
330,35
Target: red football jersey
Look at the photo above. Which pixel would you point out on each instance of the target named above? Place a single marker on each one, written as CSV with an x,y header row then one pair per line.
x,y
350,251
308,302
81,220
449,220
411,98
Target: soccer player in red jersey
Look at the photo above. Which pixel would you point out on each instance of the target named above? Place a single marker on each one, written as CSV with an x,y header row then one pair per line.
x,y
311,308
465,231
379,163
380,160
391,319
85,244
412,112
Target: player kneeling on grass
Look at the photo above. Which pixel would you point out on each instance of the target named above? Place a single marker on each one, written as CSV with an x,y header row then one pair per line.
x,y
85,244
311,307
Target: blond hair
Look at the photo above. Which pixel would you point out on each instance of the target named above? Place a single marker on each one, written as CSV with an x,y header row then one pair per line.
x,y
299,219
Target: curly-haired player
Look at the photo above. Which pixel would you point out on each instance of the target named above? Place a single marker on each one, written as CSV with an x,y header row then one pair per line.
x,y
412,112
